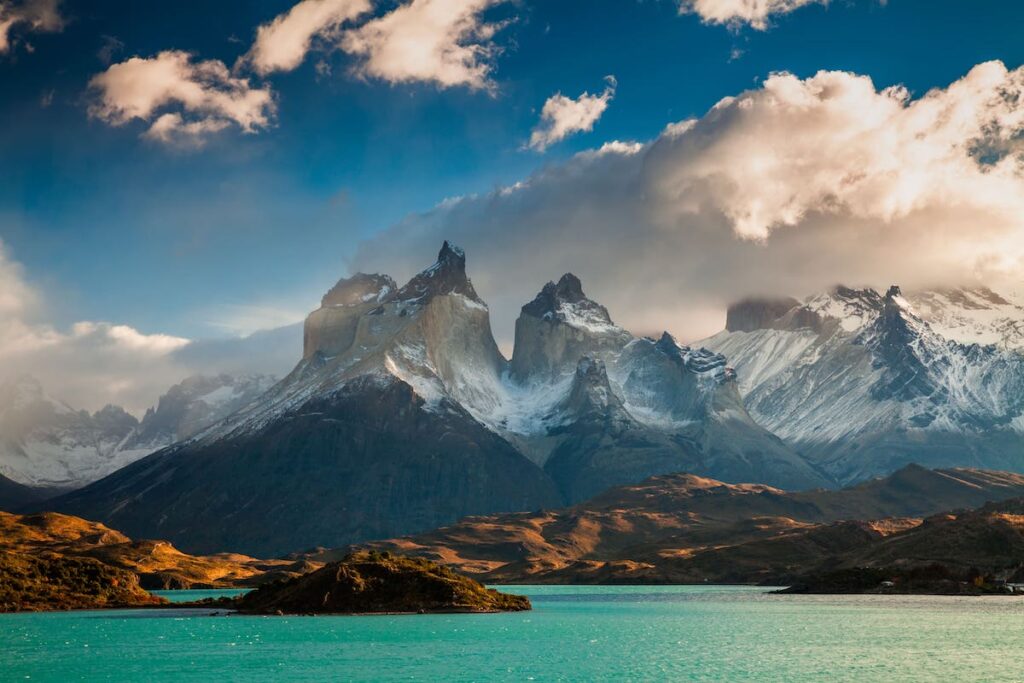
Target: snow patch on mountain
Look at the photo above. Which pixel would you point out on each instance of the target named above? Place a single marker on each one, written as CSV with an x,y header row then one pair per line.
x,y
874,382
44,442
973,315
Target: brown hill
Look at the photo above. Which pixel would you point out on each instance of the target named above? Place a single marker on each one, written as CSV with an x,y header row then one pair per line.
x,y
682,528
990,538
59,583
158,564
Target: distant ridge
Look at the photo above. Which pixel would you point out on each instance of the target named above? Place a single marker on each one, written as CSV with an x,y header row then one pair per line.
x,y
682,528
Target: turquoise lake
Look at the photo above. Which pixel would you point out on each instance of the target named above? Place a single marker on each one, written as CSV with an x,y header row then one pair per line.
x,y
574,633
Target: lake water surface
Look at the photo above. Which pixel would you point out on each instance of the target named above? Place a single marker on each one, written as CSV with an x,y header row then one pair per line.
x,y
577,633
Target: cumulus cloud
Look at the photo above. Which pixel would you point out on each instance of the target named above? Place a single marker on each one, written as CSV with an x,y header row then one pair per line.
x,y
282,44
735,13
784,189
90,363
185,100
445,42
28,16
562,116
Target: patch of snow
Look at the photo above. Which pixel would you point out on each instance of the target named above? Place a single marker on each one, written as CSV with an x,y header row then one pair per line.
x,y
585,316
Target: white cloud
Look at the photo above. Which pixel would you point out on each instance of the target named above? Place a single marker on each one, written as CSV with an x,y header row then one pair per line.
x,y
562,116
734,13
32,16
785,189
446,42
282,44
203,97
91,364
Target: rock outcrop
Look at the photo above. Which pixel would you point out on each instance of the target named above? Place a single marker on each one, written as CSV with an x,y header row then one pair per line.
x,y
368,583
757,314
560,326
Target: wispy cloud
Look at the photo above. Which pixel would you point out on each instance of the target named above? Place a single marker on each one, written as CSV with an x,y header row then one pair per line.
x,y
563,116
282,44
27,16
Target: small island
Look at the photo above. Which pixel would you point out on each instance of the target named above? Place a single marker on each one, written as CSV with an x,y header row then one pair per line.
x,y
377,582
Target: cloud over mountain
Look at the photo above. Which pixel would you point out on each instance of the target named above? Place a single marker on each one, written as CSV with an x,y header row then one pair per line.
x,y
789,187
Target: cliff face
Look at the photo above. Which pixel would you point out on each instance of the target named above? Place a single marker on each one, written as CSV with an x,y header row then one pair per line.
x,y
331,329
560,326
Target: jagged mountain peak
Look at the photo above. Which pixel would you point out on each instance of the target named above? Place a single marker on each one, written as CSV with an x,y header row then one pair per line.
x,y
446,276
697,361
591,391
565,302
560,326
667,344
361,288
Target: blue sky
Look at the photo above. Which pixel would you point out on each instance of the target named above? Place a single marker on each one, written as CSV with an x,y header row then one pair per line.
x,y
127,230
99,222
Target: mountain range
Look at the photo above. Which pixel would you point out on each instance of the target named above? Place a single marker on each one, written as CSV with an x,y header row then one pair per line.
x,y
46,445
402,415
861,383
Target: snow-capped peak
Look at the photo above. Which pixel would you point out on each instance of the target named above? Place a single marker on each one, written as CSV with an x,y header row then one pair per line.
x,y
973,315
853,308
446,276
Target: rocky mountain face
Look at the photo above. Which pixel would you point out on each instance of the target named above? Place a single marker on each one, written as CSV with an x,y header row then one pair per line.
x,y
403,416
861,383
47,445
